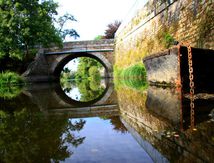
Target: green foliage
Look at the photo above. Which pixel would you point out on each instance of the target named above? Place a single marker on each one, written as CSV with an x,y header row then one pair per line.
x,y
164,37
27,24
10,92
10,85
85,64
136,71
99,37
87,79
133,83
132,77
10,78
168,40
28,136
90,89
94,72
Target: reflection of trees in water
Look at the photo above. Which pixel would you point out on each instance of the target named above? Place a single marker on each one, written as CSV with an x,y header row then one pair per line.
x,y
89,88
67,86
26,137
10,92
87,79
116,123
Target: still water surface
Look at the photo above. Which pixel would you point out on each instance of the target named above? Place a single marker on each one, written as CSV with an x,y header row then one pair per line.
x,y
126,123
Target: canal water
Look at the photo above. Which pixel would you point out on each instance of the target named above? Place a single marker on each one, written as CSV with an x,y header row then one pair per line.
x,y
120,121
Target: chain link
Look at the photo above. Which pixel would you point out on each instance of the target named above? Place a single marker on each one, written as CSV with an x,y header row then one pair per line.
x,y
191,85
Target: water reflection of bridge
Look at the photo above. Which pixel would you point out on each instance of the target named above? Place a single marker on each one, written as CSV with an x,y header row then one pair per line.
x,y
51,99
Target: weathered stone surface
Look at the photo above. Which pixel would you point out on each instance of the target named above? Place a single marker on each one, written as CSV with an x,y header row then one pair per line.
x,y
163,68
49,63
151,27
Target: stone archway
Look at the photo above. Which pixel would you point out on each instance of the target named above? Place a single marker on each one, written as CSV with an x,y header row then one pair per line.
x,y
60,61
49,62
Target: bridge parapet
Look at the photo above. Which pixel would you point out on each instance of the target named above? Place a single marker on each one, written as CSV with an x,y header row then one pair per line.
x,y
105,44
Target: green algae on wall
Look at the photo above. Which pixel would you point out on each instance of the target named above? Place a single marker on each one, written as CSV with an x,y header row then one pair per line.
x,y
158,27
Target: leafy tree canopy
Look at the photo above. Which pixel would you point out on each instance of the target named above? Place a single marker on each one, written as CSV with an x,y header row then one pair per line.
x,y
111,29
26,24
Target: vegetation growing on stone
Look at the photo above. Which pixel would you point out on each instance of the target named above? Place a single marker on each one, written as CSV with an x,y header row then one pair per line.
x,y
190,22
132,77
135,71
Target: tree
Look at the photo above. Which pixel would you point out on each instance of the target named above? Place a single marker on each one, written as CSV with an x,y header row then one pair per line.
x,y
64,32
28,24
111,29
84,65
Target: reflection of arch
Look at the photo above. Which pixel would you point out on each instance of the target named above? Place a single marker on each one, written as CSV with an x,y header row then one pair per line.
x,y
62,60
51,96
98,101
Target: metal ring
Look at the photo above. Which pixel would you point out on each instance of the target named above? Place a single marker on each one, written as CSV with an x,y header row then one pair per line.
x,y
191,77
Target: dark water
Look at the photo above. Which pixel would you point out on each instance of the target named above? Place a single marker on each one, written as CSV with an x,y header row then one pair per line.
x,y
124,123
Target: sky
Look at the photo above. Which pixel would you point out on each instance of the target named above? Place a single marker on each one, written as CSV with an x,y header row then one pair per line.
x,y
93,16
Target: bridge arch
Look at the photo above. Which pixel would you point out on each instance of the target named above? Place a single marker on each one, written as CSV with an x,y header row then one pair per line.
x,y
57,66
49,63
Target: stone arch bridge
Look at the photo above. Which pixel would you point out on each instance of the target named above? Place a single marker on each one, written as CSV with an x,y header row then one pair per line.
x,y
49,63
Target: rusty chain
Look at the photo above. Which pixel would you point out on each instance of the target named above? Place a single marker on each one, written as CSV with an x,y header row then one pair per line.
x,y
191,84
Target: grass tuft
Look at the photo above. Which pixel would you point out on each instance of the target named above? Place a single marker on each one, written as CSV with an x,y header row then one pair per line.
x,y
133,77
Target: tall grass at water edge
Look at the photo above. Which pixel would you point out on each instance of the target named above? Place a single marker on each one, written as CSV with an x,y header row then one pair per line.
x,y
133,77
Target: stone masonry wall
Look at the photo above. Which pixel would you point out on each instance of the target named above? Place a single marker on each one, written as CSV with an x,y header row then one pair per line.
x,y
162,22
